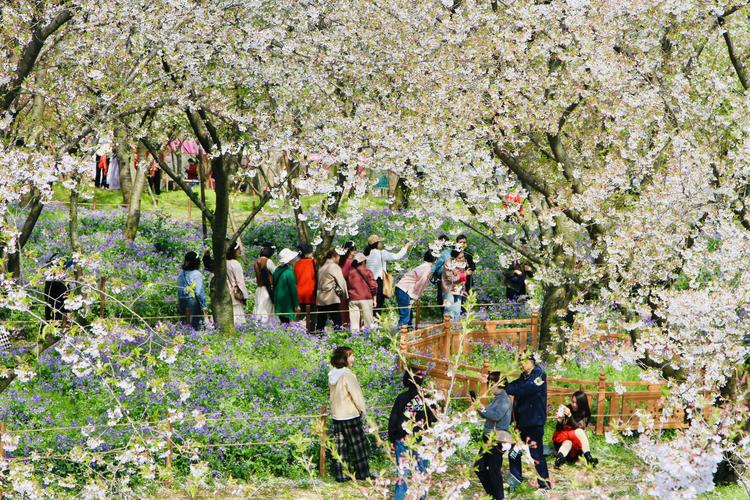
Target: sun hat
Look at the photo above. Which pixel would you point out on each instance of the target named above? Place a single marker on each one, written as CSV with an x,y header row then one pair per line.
x,y
286,256
374,238
360,257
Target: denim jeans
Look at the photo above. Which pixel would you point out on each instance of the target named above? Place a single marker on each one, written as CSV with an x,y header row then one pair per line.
x,y
401,486
189,307
404,310
453,306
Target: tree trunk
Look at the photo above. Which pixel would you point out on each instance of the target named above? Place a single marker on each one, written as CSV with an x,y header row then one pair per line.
x,y
134,205
221,303
401,195
331,205
303,234
124,158
75,241
14,259
556,298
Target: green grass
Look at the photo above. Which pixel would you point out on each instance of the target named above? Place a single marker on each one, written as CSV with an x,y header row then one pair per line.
x,y
176,203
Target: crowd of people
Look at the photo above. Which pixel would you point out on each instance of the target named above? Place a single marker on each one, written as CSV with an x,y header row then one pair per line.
x,y
522,401
346,286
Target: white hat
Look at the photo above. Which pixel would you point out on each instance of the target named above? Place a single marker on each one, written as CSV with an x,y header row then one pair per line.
x,y
286,256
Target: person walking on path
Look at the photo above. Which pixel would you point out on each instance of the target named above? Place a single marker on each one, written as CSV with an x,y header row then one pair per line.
x,y
331,289
362,288
444,248
410,288
285,294
376,262
453,282
530,412
570,440
236,283
411,409
348,411
191,292
495,437
306,273
264,268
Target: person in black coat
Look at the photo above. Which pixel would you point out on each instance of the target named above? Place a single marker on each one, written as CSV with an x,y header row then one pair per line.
x,y
409,409
530,412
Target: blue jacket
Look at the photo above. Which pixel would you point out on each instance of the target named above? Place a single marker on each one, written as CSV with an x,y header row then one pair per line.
x,y
530,404
437,267
190,286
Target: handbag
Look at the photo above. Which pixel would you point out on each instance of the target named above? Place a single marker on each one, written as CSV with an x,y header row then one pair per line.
x,y
387,280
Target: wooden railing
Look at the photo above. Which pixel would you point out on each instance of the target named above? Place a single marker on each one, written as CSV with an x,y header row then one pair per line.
x,y
615,405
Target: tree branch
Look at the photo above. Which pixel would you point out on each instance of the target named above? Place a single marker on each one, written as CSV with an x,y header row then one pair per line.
x,y
739,68
29,56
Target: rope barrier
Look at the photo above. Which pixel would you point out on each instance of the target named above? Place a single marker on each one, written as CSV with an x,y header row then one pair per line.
x,y
428,306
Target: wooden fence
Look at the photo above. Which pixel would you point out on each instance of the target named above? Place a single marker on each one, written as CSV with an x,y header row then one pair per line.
x,y
615,405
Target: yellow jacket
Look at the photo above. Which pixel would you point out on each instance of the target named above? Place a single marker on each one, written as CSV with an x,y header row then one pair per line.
x,y
347,401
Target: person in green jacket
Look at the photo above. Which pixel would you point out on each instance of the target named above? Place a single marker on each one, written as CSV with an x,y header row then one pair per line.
x,y
285,301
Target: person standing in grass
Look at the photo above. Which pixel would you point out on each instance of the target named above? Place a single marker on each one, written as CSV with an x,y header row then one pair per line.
x,y
410,410
453,283
348,410
285,294
264,268
530,412
236,283
306,273
445,247
410,288
331,290
376,262
362,289
191,292
495,437
345,263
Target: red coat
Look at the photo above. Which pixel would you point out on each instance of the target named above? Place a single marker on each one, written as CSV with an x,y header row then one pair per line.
x,y
361,283
304,271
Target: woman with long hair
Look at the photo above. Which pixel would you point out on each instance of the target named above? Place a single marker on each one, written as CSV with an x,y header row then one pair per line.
x,y
264,268
236,284
191,292
570,438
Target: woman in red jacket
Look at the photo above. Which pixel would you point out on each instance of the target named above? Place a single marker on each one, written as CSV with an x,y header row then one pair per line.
x,y
306,273
362,292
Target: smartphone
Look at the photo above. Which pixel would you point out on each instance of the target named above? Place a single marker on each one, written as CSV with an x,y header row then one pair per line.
x,y
473,395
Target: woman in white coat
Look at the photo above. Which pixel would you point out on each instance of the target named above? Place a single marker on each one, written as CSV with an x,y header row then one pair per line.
x,y
236,284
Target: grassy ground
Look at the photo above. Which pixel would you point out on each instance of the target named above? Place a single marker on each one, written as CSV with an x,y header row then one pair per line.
x,y
176,203
613,478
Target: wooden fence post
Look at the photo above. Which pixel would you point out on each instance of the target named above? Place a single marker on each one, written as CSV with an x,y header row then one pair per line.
x,y
170,444
447,336
402,346
535,329
93,203
601,396
102,297
323,439
417,311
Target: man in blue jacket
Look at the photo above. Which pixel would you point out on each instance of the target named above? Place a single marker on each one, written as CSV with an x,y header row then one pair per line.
x,y
530,412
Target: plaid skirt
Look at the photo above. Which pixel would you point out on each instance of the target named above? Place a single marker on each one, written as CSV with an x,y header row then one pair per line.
x,y
351,443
